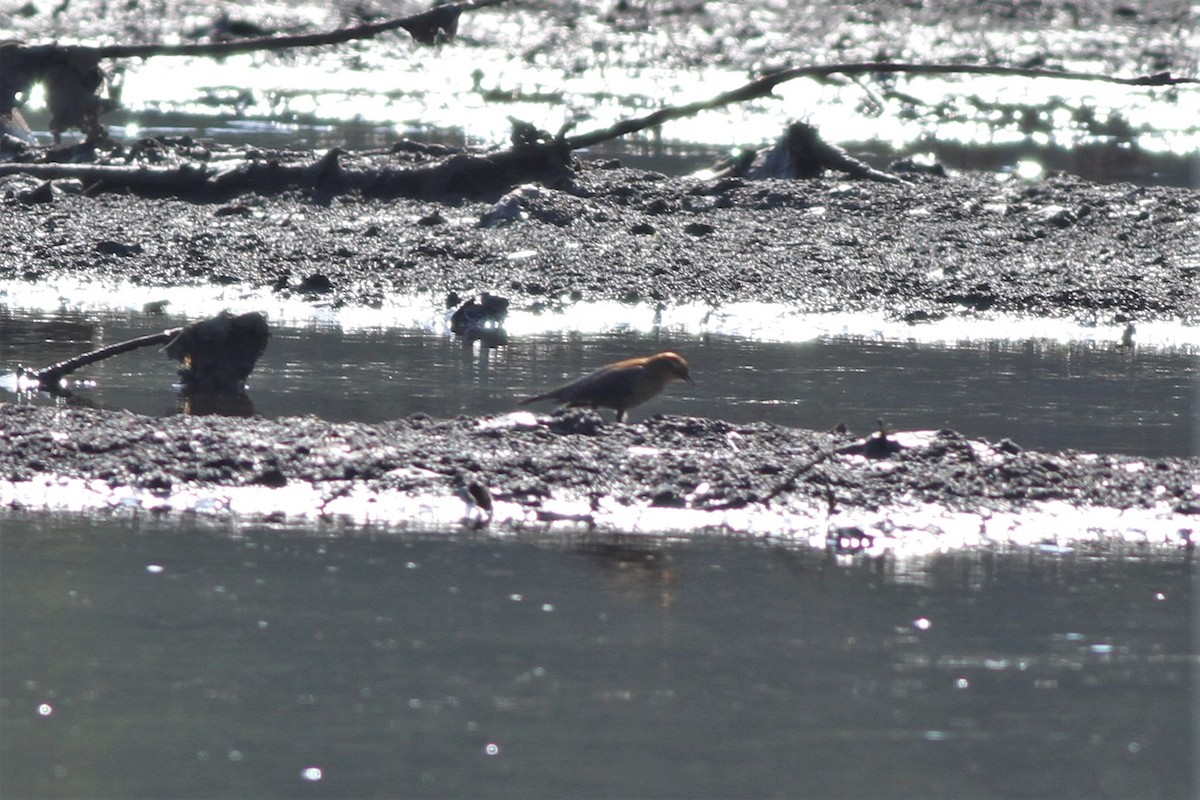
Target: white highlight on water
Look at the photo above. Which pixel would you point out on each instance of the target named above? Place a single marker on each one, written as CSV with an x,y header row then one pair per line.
x,y
754,321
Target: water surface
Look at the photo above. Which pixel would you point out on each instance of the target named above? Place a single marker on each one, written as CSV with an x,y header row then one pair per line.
x,y
177,658
1095,396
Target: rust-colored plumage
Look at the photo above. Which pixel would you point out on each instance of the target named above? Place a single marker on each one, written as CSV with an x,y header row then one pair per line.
x,y
622,385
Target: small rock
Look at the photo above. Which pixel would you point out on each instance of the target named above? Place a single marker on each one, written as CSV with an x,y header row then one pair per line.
x,y
907,166
582,422
42,193
315,284
111,248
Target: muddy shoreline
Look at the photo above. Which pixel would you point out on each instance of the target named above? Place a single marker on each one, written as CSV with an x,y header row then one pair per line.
x,y
569,468
959,246
931,248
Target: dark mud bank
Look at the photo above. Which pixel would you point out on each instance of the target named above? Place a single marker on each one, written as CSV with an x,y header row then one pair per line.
x,y
530,465
929,248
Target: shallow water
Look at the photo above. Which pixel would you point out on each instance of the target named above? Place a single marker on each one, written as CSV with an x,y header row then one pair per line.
x,y
1094,396
590,72
152,657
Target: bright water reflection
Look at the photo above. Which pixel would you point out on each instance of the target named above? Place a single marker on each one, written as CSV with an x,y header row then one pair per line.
x,y
472,92
154,658
1089,396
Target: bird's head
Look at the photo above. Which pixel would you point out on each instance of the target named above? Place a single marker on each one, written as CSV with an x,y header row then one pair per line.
x,y
672,365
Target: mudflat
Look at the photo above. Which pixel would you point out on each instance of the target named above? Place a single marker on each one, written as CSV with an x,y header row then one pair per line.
x,y
924,248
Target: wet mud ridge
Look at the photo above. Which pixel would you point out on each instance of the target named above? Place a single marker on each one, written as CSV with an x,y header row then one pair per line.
x,y
572,467
928,247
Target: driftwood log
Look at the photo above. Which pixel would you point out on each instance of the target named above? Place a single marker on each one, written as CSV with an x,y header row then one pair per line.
x,y
460,174
800,153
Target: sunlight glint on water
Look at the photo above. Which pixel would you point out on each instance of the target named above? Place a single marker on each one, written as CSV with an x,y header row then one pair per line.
x,y
764,322
393,88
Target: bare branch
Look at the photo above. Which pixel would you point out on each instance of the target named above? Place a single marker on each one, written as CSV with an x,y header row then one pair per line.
x,y
426,28
762,87
49,377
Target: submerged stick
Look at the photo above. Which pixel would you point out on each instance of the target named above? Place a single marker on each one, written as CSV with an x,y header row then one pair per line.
x,y
49,377
216,355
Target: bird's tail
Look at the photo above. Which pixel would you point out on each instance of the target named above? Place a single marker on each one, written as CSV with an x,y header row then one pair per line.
x,y
527,400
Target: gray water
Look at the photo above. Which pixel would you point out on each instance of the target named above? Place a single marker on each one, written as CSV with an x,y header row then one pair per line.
x,y
1096,397
158,658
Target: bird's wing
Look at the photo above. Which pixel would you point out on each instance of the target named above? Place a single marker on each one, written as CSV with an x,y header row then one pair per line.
x,y
605,385
602,387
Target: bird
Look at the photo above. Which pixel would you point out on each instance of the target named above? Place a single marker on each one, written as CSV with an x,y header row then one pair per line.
x,y
621,385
